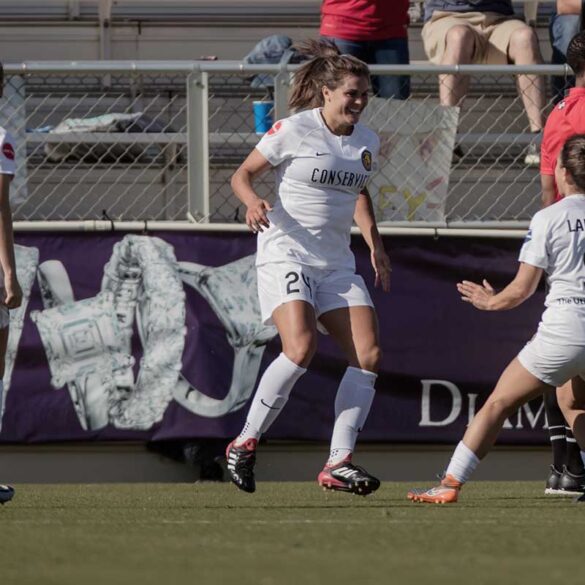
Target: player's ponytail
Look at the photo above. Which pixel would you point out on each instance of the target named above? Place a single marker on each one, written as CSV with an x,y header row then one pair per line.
x,y
325,68
573,159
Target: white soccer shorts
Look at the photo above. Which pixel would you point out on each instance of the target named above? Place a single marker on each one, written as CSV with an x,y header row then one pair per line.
x,y
325,290
552,362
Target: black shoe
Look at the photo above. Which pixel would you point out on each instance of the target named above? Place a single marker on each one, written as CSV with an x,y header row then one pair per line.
x,y
346,477
240,464
553,482
571,484
6,493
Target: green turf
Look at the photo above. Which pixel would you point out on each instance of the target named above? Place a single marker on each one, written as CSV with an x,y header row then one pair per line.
x,y
287,533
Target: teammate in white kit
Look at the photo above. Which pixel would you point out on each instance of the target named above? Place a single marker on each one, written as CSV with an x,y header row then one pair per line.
x,y
555,244
323,159
10,293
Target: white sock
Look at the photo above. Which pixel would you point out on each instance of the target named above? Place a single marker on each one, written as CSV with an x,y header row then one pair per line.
x,y
352,406
463,463
272,394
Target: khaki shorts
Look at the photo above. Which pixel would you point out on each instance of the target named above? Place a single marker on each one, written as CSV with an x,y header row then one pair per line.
x,y
492,35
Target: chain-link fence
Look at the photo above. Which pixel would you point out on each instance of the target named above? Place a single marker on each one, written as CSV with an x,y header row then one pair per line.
x,y
144,142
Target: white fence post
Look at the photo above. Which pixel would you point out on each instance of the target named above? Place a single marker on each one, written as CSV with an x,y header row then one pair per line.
x,y
281,87
198,145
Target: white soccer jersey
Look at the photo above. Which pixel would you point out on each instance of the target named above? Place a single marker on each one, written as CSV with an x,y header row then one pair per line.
x,y
318,176
556,243
7,153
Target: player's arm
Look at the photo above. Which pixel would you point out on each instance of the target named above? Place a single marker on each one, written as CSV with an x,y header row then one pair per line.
x,y
242,185
13,296
547,183
482,296
366,221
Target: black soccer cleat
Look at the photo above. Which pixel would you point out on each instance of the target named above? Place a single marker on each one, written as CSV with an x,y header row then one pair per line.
x,y
347,477
240,464
6,493
571,484
553,482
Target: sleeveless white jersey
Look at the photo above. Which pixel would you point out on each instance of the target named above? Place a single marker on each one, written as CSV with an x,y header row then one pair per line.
x,y
7,153
556,243
318,177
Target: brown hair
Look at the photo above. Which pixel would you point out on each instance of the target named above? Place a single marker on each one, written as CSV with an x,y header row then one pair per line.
x,y
576,54
573,159
326,68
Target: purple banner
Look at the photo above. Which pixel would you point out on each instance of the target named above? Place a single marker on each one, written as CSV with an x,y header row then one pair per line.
x,y
159,337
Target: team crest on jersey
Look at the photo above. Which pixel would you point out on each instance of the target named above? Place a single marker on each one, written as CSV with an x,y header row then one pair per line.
x,y
367,160
8,150
275,128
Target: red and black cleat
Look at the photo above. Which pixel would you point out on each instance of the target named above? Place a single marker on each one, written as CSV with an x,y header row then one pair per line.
x,y
240,464
346,477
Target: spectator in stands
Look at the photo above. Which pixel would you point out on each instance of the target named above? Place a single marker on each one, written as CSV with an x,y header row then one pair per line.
x,y
10,293
375,31
568,118
556,353
565,23
484,31
323,158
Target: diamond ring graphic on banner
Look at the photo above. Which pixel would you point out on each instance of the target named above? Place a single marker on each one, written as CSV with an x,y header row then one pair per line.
x,y
231,291
88,342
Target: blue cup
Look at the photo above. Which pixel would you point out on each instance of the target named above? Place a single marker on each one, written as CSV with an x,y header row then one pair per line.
x,y
262,116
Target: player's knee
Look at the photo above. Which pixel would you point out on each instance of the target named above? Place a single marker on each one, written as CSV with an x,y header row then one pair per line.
x,y
460,40
500,407
370,358
569,403
301,349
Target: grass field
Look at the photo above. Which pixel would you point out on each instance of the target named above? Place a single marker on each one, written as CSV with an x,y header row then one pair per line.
x,y
287,533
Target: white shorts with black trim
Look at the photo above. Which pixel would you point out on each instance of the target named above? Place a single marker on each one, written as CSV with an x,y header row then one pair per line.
x,y
325,290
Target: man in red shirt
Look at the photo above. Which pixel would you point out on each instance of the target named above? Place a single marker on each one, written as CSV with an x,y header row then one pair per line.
x,y
375,31
568,118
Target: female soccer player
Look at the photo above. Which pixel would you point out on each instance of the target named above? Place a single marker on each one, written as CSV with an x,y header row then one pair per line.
x,y
555,244
323,159
10,293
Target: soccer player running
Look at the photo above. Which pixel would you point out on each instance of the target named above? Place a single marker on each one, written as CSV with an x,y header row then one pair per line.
x,y
323,159
567,474
10,293
555,244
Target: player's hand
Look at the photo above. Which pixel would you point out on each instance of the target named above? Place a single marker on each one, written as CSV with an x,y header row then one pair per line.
x,y
13,293
256,218
479,295
381,264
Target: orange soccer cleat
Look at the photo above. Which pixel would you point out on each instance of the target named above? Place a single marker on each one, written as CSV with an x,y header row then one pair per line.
x,y
446,492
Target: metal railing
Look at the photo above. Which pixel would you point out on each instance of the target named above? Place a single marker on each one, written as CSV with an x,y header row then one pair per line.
x,y
194,126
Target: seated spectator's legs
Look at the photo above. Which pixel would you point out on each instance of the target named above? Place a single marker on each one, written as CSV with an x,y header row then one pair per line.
x,y
460,43
450,39
391,52
523,50
563,27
